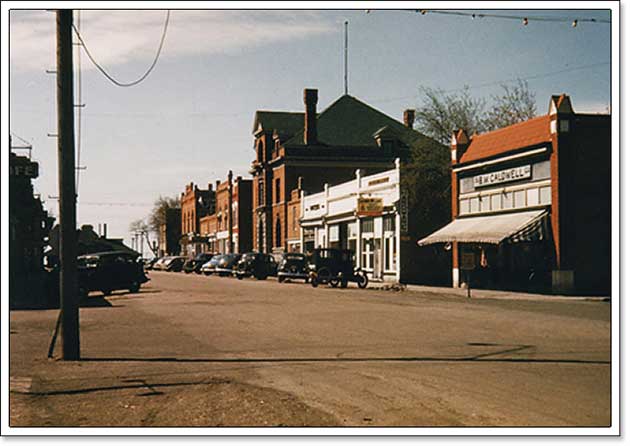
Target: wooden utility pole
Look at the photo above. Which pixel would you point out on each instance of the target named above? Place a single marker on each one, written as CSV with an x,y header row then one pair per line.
x,y
68,283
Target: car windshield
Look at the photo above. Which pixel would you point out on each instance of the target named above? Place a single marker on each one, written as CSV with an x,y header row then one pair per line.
x,y
249,256
294,257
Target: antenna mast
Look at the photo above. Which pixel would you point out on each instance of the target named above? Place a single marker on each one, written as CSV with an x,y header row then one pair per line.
x,y
345,58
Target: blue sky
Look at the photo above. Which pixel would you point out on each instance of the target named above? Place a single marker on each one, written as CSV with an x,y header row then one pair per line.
x,y
191,119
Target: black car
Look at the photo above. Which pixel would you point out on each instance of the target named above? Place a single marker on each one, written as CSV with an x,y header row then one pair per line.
x,y
226,263
293,266
255,264
335,267
195,264
174,264
109,271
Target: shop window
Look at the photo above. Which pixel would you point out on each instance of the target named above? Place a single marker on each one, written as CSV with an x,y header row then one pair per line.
x,y
367,254
545,195
352,230
464,206
390,253
367,225
389,224
474,205
519,199
496,202
333,233
485,203
507,200
532,197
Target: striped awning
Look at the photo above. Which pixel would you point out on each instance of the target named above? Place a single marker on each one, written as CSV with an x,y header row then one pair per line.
x,y
514,227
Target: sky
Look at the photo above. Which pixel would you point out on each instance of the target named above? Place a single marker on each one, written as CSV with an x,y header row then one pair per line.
x,y
191,119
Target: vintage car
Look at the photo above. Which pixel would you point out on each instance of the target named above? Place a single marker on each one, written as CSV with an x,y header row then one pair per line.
x,y
195,264
293,266
335,267
225,265
209,267
109,271
174,264
256,264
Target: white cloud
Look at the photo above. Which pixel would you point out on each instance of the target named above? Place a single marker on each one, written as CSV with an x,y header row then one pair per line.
x,y
115,37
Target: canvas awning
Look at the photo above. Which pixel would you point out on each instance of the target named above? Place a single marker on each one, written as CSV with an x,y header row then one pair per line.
x,y
514,227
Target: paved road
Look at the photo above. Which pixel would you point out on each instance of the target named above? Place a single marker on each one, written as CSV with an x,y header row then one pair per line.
x,y
317,357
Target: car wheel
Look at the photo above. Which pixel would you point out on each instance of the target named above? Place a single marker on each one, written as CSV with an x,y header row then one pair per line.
x,y
343,283
135,287
334,283
187,271
324,275
362,280
280,279
239,277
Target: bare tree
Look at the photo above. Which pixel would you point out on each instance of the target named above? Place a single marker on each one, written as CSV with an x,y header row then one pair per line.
x,y
159,211
441,113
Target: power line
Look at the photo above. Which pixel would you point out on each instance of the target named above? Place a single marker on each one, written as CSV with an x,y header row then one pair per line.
x,y
524,19
490,84
108,76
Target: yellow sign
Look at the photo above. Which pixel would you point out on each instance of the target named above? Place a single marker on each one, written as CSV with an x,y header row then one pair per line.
x,y
370,207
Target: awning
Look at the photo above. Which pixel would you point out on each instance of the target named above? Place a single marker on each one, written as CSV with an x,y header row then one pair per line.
x,y
513,228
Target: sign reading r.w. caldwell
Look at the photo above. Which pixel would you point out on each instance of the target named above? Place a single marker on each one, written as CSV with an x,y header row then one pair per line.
x,y
503,176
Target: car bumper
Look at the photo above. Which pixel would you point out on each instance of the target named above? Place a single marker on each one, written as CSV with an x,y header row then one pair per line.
x,y
292,275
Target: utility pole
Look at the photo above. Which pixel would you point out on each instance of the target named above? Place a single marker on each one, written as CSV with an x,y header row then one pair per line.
x,y
345,58
68,284
230,214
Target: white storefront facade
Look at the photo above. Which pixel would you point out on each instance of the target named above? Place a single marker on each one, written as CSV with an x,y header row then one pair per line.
x,y
363,215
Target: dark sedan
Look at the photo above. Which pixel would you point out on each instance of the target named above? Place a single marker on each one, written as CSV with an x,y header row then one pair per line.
x,y
293,266
256,264
195,264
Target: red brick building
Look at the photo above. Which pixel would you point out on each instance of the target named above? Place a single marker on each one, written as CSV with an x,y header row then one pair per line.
x,y
229,229
195,204
532,204
326,147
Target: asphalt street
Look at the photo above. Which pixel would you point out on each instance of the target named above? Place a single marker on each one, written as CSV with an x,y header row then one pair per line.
x,y
191,350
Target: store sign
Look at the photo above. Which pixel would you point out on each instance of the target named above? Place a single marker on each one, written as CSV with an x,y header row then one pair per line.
x,y
28,170
503,176
378,181
403,211
369,207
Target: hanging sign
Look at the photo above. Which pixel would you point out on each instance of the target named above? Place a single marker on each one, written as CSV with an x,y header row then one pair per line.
x,y
369,207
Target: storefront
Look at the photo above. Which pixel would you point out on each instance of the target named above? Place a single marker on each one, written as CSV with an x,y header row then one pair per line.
x,y
363,216
531,202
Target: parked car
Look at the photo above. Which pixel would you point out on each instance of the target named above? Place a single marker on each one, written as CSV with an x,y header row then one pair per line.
x,y
226,263
109,271
335,267
174,264
209,267
256,264
159,263
195,264
293,266
148,263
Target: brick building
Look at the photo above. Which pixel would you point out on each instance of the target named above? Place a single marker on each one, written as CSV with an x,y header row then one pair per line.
x,y
321,148
229,228
195,204
532,204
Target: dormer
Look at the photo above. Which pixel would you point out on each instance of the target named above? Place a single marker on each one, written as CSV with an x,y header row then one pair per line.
x,y
386,139
560,113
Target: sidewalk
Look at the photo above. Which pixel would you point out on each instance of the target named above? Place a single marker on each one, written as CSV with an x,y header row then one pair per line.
x,y
482,294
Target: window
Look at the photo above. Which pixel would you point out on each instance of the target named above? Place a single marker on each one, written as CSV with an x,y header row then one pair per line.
x,y
485,203
278,233
496,202
532,197
519,199
261,193
508,200
367,254
277,190
260,152
474,205
294,219
389,224
367,225
545,195
464,206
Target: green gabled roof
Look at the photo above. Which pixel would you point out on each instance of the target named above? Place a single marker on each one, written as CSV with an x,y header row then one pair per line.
x,y
348,122
284,123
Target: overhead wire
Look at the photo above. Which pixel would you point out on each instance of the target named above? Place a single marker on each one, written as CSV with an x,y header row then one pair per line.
x,y
499,82
110,77
525,19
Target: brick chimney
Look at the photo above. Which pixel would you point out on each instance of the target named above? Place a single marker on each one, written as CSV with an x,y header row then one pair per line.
x,y
409,116
310,116
459,144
